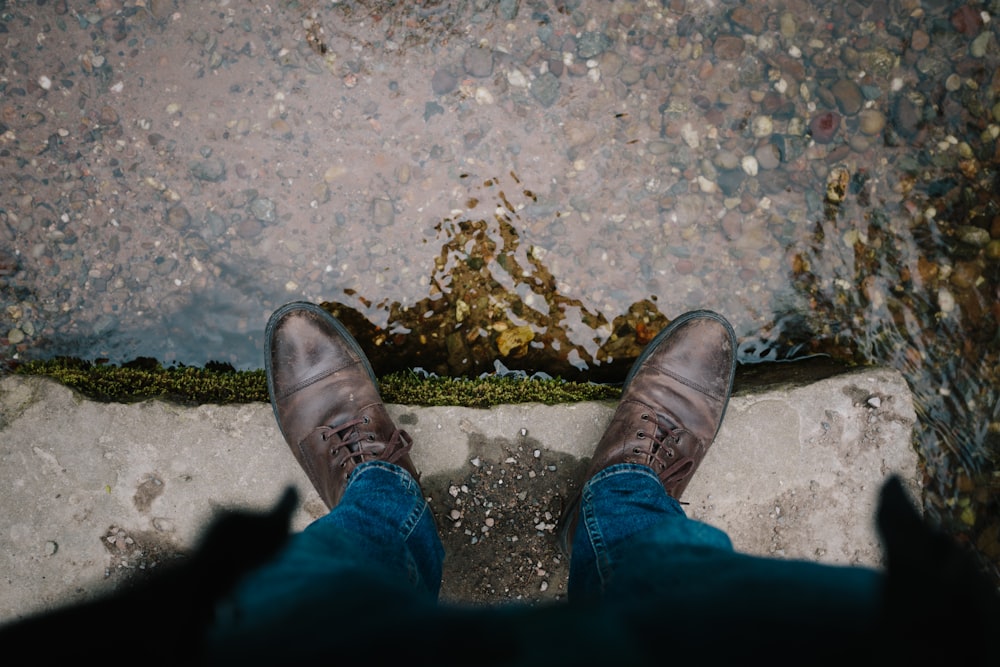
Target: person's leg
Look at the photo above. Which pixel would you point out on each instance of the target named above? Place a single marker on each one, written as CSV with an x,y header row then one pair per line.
x,y
633,549
379,543
634,540
676,580
617,504
672,405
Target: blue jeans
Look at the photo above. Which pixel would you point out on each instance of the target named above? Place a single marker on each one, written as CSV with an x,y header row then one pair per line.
x,y
640,571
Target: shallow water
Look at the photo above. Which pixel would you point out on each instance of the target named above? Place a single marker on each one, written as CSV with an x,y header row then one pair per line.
x,y
541,183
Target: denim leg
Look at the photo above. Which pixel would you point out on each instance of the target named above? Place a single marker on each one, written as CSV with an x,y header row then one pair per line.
x,y
379,543
616,504
635,550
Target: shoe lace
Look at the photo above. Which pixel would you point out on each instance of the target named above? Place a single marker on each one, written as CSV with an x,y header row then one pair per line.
x,y
352,448
660,445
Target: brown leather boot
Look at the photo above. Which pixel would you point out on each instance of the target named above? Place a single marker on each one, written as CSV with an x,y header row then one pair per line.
x,y
671,407
326,401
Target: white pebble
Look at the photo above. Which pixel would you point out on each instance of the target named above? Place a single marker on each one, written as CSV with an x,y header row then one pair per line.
x,y
516,78
690,135
763,126
45,82
749,165
946,300
483,96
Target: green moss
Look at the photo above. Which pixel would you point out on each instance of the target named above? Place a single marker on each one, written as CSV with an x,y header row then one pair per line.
x,y
145,379
410,389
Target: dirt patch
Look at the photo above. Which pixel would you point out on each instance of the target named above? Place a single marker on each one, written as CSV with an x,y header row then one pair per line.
x,y
136,555
498,521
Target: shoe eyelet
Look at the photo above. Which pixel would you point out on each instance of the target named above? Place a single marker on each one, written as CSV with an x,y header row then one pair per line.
x,y
641,435
636,451
670,453
371,437
366,419
644,417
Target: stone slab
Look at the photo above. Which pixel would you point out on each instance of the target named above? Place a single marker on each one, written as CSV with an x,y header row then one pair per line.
x,y
794,472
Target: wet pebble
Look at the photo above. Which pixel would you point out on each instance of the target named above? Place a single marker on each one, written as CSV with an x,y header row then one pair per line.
x,y
478,62
108,116
749,19
965,275
592,44
684,266
824,127
212,170
726,160
545,89
579,133
444,81
730,180
919,40
383,213
848,96
732,225
859,143
630,74
178,217
508,9
264,210
967,20
972,235
905,117
762,126
729,47
610,63
281,128
33,119
8,263
767,156
871,122
160,8
249,228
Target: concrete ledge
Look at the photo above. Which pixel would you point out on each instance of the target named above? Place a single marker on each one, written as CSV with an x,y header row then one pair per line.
x,y
90,492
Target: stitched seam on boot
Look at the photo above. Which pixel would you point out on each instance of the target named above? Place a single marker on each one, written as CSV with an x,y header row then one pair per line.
x,y
689,383
312,380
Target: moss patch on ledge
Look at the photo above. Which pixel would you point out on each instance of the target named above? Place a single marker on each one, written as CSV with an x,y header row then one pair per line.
x,y
216,383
